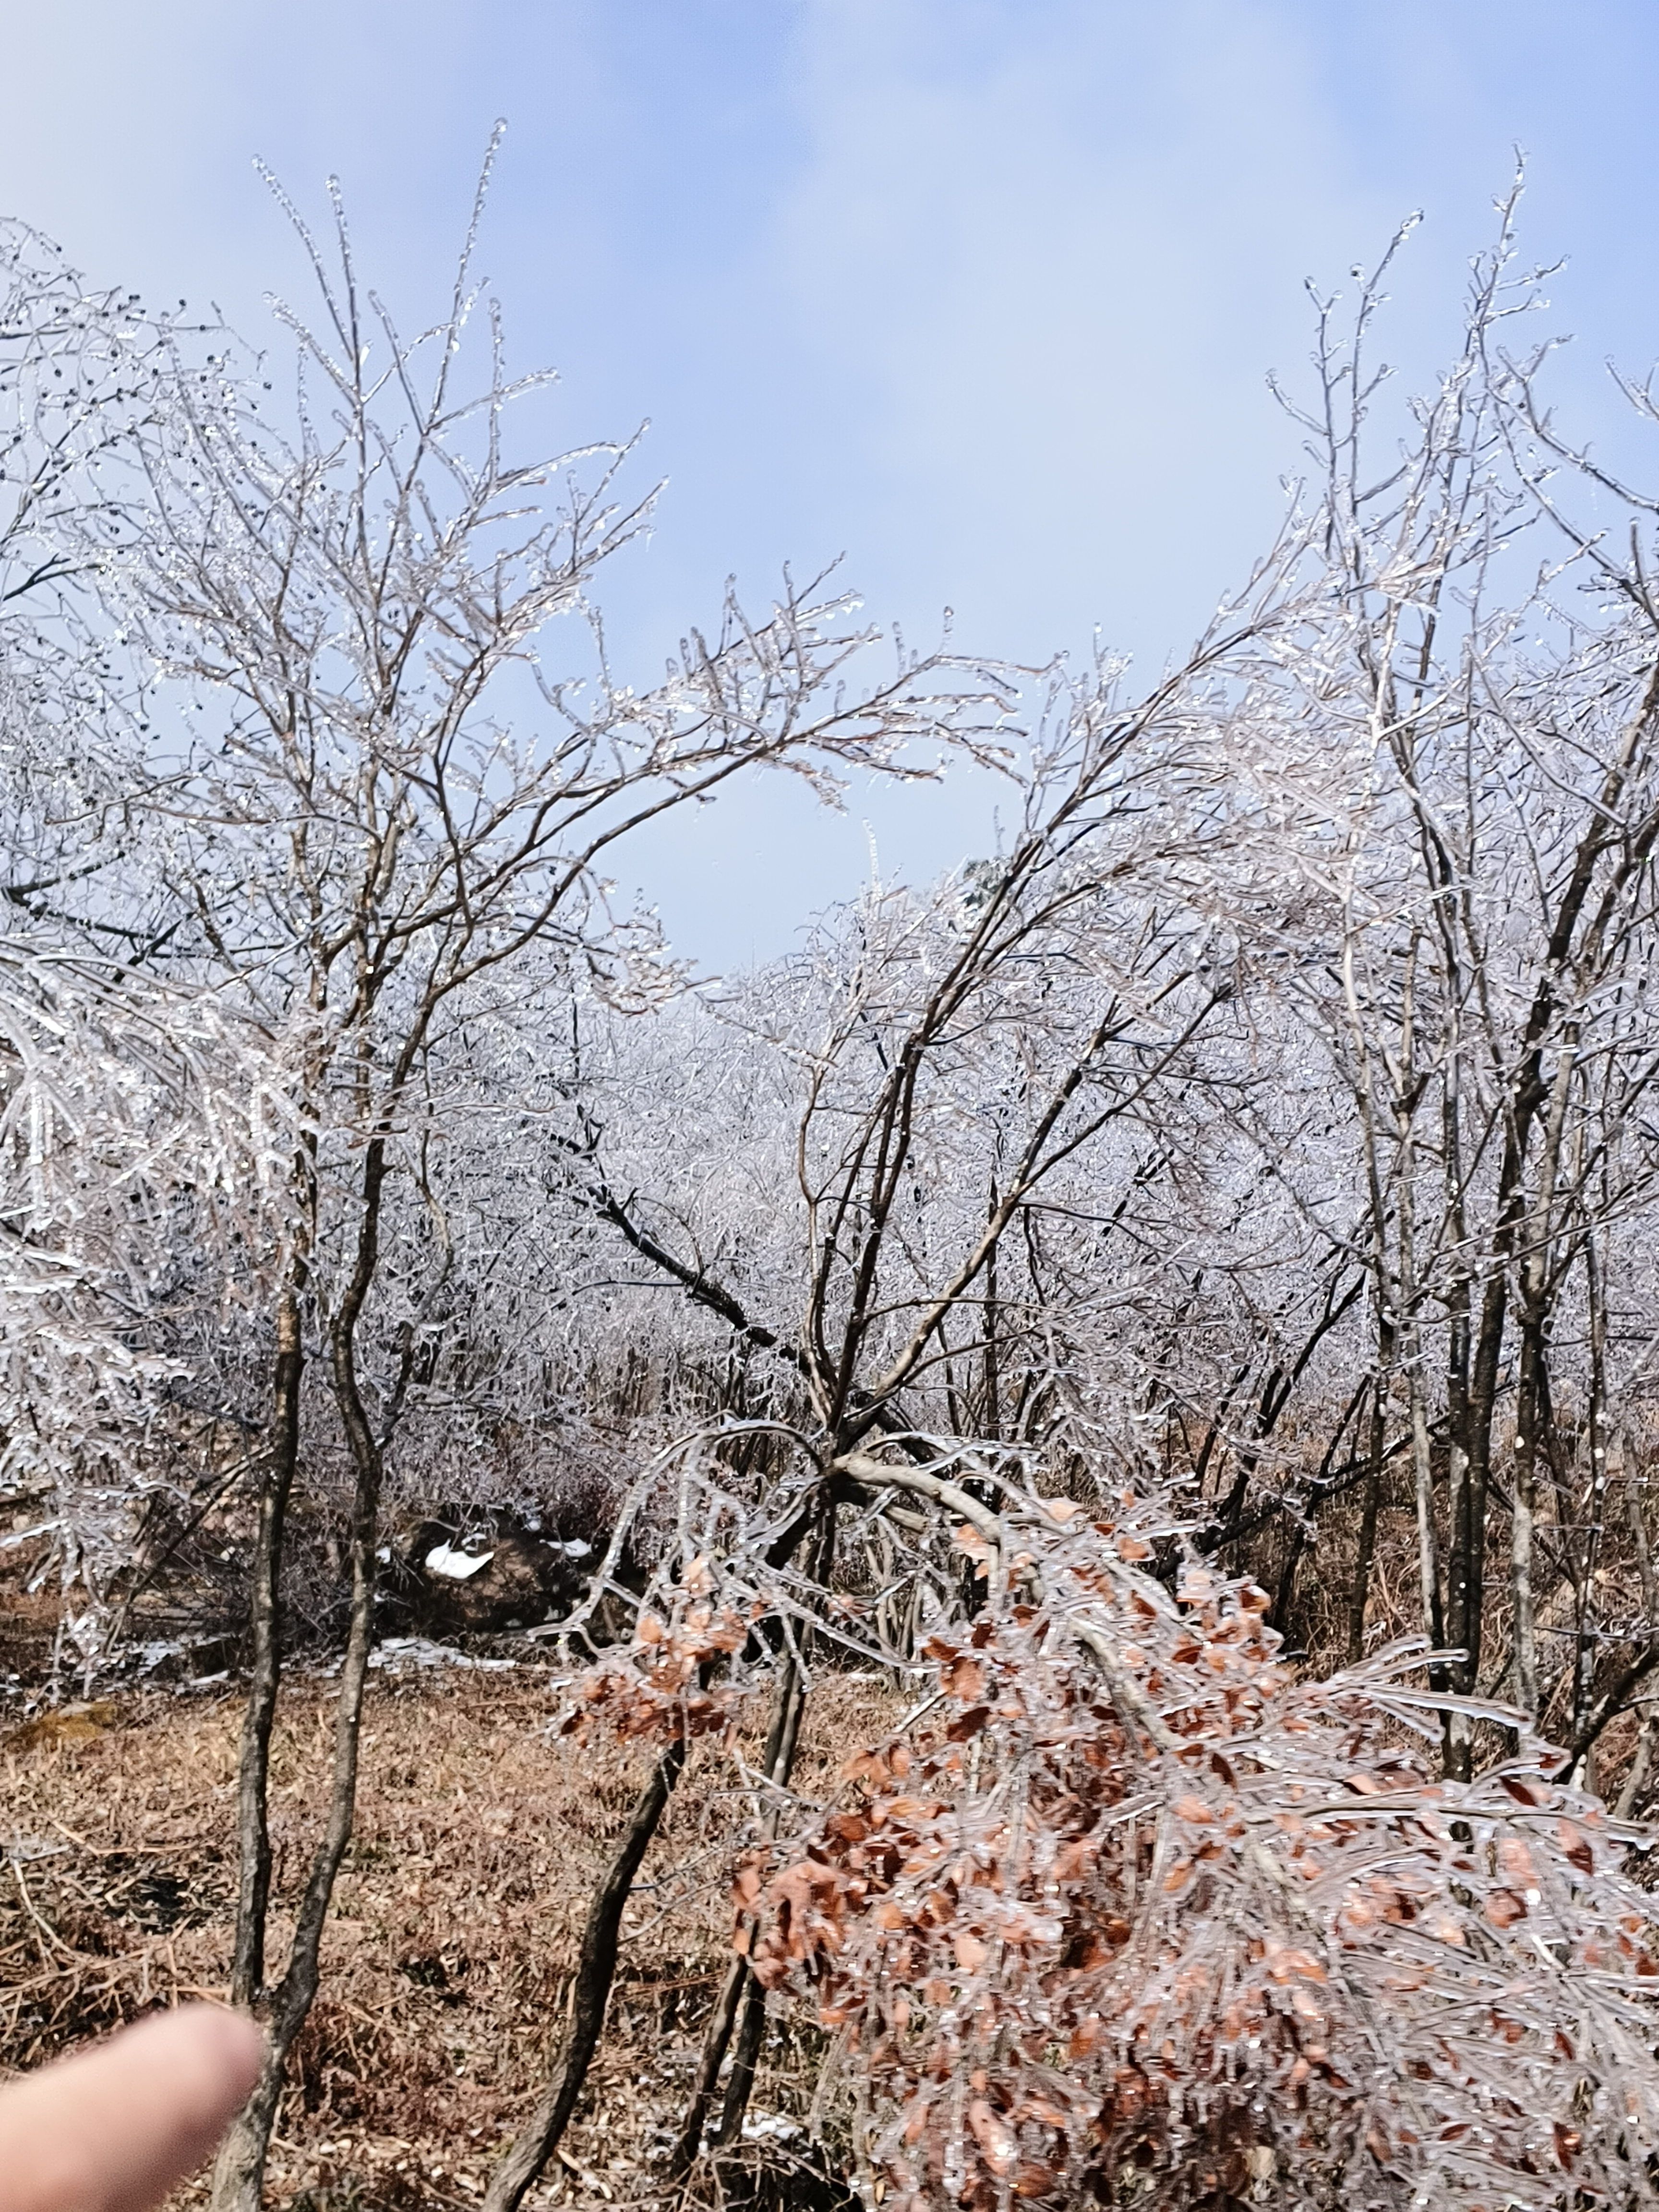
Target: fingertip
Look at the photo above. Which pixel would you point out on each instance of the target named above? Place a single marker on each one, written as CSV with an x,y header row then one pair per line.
x,y
234,2041
113,2127
220,2049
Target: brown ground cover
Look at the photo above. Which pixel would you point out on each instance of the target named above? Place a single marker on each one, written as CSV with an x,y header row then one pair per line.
x,y
447,1959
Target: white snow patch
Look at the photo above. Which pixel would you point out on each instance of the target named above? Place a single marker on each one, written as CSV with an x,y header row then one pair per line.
x,y
764,2127
457,1567
399,1651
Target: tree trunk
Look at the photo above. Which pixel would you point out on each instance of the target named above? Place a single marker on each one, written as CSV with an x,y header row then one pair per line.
x,y
239,2172
265,1655
1467,1571
741,2080
1367,1546
781,1738
1524,1513
596,1969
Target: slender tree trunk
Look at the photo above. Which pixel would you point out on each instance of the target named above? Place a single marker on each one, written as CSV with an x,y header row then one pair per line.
x,y
1367,1547
785,1732
716,2040
239,2172
278,1470
788,1706
992,1425
1532,1381
745,2058
596,1969
1467,1570
1428,1564
1279,1616
265,1655
1596,1439
1387,1292
1620,1440
1524,1511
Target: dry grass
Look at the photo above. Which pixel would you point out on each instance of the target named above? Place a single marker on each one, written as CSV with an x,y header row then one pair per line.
x,y
456,1920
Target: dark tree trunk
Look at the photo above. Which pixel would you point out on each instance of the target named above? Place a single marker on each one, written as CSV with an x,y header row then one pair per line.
x,y
596,1969
741,2080
788,1706
266,1656
1366,1550
238,2173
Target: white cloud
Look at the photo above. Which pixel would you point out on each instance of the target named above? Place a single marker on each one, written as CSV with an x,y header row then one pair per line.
x,y
1046,258
982,292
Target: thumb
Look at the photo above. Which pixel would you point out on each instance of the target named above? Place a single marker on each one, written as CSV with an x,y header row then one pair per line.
x,y
113,2128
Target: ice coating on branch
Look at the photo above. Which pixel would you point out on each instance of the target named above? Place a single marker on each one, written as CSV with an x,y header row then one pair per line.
x,y
1126,1902
132,1113
1136,1900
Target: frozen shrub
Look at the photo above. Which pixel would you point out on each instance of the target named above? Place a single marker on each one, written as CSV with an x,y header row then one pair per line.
x,y
1130,1908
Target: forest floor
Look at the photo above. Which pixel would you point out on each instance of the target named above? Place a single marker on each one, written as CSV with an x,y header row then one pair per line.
x,y
446,1964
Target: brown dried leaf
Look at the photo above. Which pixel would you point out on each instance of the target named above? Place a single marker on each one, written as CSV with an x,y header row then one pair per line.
x,y
1577,1847
994,2136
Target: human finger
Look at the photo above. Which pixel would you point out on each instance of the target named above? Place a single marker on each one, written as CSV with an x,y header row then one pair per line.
x,y
113,2128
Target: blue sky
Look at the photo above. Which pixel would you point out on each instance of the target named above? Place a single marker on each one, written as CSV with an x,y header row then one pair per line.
x,y
980,293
